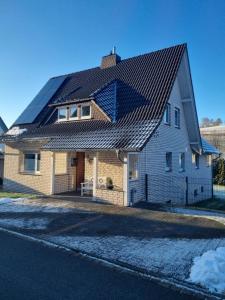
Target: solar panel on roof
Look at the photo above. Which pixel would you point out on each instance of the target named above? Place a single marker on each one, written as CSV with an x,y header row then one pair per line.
x,y
40,101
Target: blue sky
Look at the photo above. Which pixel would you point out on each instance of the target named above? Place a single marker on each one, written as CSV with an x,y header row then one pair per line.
x,y
44,38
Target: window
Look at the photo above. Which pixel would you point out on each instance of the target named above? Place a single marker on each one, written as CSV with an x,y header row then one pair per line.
x,y
168,162
73,112
85,111
177,117
195,160
62,114
182,162
32,162
167,115
208,159
133,166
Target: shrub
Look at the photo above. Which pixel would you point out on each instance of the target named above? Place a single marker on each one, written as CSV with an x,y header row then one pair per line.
x,y
219,172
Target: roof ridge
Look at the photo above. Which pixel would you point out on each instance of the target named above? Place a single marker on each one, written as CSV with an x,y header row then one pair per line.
x,y
123,60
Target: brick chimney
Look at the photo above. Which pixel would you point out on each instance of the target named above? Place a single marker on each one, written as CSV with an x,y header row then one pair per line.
x,y
110,60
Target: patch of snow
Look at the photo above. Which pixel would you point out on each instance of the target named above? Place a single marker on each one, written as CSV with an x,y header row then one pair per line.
x,y
32,223
10,200
208,270
16,131
171,257
218,217
35,205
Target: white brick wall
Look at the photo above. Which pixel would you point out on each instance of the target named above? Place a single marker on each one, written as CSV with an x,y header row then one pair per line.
x,y
152,162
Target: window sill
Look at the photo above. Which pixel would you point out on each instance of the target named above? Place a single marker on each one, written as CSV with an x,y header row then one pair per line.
x,y
30,173
181,170
61,174
133,179
168,170
177,127
85,118
167,124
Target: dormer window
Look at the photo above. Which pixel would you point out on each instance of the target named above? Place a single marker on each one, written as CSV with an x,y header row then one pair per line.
x,y
85,112
62,114
73,112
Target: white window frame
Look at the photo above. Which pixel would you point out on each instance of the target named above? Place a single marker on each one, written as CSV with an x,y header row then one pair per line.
x,y
208,160
196,160
181,161
35,171
69,110
167,114
137,168
66,118
85,117
169,164
177,109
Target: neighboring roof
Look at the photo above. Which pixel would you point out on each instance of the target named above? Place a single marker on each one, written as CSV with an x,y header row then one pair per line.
x,y
209,148
2,125
143,86
213,129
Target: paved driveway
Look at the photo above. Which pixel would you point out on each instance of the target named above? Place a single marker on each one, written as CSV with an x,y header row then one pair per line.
x,y
79,216
146,238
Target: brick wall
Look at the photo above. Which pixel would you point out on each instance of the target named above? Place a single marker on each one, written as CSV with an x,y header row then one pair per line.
x,y
111,196
65,174
110,166
17,181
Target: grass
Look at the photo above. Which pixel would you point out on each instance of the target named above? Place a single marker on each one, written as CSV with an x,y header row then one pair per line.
x,y
210,204
15,195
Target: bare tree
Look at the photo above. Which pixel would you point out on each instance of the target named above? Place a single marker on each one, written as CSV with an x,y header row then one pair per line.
x,y
206,122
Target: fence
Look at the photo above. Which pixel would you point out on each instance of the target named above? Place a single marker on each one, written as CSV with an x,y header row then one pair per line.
x,y
219,192
178,190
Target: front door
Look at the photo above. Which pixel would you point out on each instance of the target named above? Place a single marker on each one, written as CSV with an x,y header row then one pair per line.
x,y
80,170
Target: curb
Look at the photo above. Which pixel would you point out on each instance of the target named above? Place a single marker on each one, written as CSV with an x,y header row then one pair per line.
x,y
177,285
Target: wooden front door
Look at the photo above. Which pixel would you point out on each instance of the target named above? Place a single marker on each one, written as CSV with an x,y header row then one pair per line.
x,y
80,170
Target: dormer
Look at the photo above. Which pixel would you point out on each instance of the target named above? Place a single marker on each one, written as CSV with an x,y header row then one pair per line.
x,y
81,111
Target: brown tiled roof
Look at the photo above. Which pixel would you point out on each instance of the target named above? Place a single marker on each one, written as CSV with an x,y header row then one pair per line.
x,y
143,86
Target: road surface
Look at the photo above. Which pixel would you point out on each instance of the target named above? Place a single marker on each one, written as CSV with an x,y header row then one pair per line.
x,y
30,270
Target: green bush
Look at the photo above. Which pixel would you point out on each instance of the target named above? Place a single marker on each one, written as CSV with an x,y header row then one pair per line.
x,y
219,172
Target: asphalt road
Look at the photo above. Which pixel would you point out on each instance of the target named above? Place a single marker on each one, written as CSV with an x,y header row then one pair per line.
x,y
30,270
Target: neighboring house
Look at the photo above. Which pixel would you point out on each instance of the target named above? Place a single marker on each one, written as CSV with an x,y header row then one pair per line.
x,y
3,128
216,136
133,121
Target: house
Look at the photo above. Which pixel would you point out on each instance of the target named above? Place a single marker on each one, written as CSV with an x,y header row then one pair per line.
x,y
128,128
3,128
216,136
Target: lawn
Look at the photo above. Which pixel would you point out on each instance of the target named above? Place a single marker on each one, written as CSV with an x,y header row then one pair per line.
x,y
15,195
211,204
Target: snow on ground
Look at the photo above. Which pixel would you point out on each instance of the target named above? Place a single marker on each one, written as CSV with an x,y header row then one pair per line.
x,y
208,270
171,257
218,217
22,223
10,200
35,205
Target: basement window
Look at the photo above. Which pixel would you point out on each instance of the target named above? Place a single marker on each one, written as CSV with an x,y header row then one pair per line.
x,y
32,162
